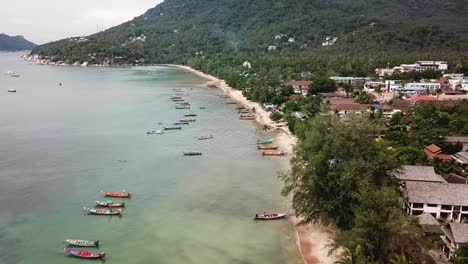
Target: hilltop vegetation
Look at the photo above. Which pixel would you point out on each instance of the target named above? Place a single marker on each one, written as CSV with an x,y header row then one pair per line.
x,y
14,43
215,34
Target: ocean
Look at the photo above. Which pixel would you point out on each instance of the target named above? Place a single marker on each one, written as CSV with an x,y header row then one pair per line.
x,y
61,145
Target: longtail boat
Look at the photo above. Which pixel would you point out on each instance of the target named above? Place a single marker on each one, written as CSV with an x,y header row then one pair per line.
x,y
172,128
247,115
183,107
152,132
178,100
205,137
192,153
267,147
264,141
82,243
266,153
246,118
241,107
102,211
181,123
109,203
187,120
269,216
190,115
117,194
243,111
231,103
176,97
83,253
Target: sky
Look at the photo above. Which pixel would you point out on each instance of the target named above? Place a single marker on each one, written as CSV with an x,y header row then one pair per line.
x,y
42,21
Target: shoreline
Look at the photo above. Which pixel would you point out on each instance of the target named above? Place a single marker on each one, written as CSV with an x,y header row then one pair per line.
x,y
312,240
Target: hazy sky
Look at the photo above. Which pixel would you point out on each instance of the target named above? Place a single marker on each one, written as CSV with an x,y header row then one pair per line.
x,y
46,20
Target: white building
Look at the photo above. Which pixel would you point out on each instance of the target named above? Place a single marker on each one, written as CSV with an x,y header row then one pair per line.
x,y
448,201
420,86
455,236
372,86
431,65
350,80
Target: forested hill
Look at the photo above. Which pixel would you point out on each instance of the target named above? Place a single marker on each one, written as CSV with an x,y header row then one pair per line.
x,y
15,43
362,34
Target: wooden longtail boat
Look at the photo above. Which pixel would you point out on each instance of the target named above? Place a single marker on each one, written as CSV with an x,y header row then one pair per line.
x,y
178,100
117,194
264,141
205,137
152,132
247,115
266,153
243,111
102,211
172,128
247,118
190,115
83,253
181,123
267,147
192,153
176,97
231,103
187,120
109,203
183,107
82,243
269,216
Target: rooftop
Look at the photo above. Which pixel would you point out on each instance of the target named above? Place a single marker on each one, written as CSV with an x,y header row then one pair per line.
x,y
437,193
459,232
427,219
419,173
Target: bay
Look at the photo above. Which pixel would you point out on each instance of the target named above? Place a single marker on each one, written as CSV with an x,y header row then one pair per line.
x,y
61,145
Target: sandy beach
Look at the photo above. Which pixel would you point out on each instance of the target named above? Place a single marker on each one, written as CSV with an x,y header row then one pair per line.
x,y
312,239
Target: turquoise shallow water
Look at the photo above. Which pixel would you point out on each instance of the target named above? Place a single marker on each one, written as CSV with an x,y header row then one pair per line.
x,y
61,145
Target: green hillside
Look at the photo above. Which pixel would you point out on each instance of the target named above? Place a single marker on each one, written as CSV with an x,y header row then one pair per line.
x,y
214,34
14,43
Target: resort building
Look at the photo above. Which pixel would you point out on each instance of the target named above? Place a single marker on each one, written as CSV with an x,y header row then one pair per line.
x,y
300,87
433,151
411,173
354,81
455,236
442,200
372,86
462,156
431,65
429,224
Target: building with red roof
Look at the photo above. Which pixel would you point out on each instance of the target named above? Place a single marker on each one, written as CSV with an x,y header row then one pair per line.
x,y
433,151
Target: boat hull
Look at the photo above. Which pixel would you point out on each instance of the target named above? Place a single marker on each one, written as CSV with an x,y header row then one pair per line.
x,y
110,205
117,194
102,211
267,217
82,243
265,141
83,253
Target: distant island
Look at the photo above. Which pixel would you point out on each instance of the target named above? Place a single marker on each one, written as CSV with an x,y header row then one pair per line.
x,y
15,43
